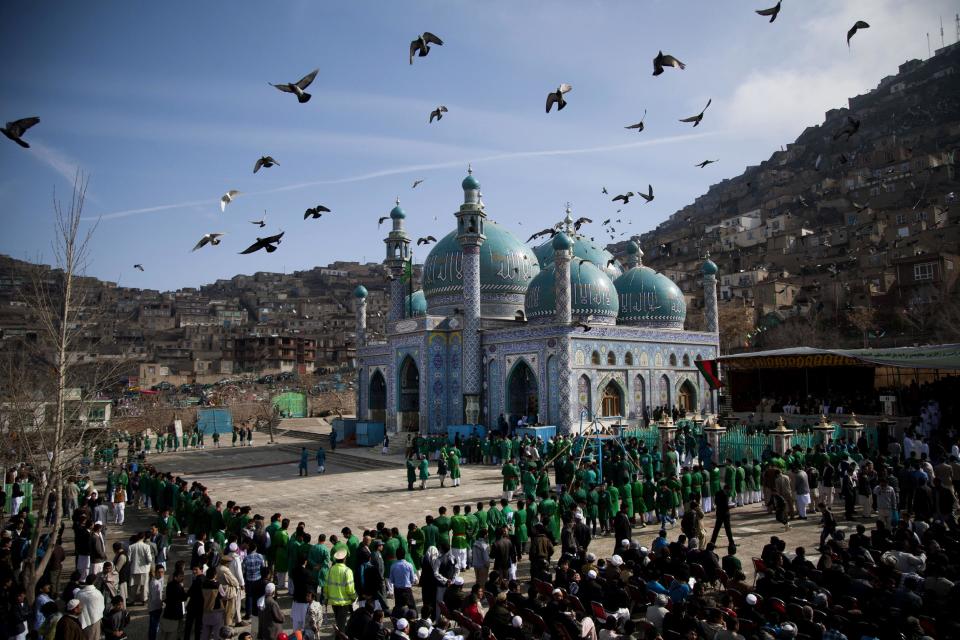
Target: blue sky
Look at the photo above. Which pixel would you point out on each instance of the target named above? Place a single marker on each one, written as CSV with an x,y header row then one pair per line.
x,y
166,106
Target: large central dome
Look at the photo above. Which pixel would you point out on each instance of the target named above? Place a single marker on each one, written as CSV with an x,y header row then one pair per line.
x,y
585,248
506,268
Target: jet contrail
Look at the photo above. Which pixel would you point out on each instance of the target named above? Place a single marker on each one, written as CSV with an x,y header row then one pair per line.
x,y
413,168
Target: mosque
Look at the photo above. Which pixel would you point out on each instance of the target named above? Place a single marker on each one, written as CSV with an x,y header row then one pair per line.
x,y
561,333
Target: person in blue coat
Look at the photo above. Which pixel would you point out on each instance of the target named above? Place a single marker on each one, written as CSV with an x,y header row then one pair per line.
x,y
321,460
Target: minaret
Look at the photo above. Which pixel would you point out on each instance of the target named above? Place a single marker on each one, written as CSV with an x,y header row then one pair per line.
x,y
470,227
709,269
398,252
634,255
360,297
562,254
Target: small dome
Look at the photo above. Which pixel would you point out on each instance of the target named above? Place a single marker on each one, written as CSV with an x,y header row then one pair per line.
x,y
650,299
470,183
585,248
591,294
562,242
633,248
709,267
397,213
415,304
360,291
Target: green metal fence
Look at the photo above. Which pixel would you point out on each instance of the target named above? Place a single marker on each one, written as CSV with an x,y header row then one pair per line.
x,y
737,444
649,437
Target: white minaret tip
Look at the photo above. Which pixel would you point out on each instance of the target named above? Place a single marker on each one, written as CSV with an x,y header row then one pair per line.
x,y
469,169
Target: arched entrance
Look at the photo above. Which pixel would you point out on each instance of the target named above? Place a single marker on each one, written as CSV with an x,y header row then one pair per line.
x,y
408,408
583,395
665,392
612,403
377,399
639,394
687,397
522,393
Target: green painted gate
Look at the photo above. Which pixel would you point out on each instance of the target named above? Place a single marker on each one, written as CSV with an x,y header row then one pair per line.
x,y
290,405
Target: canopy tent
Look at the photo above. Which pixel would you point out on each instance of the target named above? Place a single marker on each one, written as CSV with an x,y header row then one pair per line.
x,y
943,357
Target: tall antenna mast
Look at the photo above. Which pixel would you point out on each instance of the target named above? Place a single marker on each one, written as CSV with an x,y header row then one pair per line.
x,y
957,20
942,43
929,54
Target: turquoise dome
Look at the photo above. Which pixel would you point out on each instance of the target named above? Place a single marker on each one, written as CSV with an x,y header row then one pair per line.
x,y
709,267
397,213
562,242
415,304
650,299
470,183
591,294
360,291
506,268
584,248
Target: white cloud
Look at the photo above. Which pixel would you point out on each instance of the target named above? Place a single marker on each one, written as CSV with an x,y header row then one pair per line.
x,y
56,160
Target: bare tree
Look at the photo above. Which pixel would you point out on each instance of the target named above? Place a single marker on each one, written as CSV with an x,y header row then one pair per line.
x,y
863,319
47,390
736,321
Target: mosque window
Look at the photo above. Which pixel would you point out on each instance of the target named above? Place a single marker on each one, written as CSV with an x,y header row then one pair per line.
x,y
595,358
673,359
628,359
686,360
611,358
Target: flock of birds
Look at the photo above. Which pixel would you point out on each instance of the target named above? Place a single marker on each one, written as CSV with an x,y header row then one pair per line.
x,y
421,47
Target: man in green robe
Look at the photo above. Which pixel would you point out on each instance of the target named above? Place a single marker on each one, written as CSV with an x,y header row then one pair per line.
x,y
730,479
281,562
453,464
390,545
740,483
511,478
529,482
520,526
318,561
639,505
481,516
459,543
543,484
549,513
442,522
424,472
706,489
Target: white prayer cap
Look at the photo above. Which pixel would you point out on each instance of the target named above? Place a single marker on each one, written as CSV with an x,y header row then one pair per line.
x,y
578,516
402,624
73,604
517,622
616,561
270,589
644,550
592,574
423,632
591,557
625,543
98,523
458,581
751,599
662,599
233,547
557,592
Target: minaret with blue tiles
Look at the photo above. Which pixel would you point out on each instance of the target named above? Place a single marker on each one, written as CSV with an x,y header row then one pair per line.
x,y
398,252
470,226
710,309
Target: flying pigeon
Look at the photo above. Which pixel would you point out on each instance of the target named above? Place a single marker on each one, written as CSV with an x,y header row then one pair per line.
x,y
557,97
852,126
269,243
697,118
138,267
422,44
265,161
228,198
262,222
638,126
606,222
315,212
649,195
415,183
580,222
859,24
297,88
603,190
705,163
662,61
14,130
623,196
772,12
540,234
208,238
426,240
611,262
584,326
437,113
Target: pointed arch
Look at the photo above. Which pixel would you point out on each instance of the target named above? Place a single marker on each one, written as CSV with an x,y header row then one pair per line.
x,y
408,398
686,360
628,359
665,391
584,395
611,358
673,359
595,358
611,403
523,394
377,397
639,394
687,396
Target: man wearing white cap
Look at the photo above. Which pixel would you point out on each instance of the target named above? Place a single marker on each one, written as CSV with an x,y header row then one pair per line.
x,y
98,548
340,588
657,611
271,615
68,628
400,630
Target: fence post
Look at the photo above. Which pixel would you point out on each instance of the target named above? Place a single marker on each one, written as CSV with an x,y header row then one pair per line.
x,y
781,437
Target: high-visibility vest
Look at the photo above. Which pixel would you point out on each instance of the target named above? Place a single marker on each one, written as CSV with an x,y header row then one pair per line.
x,y
340,590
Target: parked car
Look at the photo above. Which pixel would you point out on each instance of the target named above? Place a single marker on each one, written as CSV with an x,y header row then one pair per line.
x,y
162,386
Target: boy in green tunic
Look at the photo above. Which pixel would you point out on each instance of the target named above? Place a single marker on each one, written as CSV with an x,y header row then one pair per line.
x,y
639,505
442,523
424,472
740,486
520,526
543,484
146,444
453,463
415,541
481,516
318,560
529,482
459,543
548,511
511,476
664,502
730,479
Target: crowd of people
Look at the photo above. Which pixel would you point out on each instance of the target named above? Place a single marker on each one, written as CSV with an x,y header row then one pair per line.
x,y
560,552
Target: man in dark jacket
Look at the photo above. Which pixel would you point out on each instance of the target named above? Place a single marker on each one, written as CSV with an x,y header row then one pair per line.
x,y
68,628
194,606
541,550
721,502
622,530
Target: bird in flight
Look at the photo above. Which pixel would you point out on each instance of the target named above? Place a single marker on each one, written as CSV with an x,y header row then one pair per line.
x,y
611,262
138,267
697,118
638,126
421,45
315,212
584,326
415,183
557,97
649,195
850,128
437,113
545,232
606,222
859,24
262,222
603,190
15,130
667,60
266,162
859,207
773,11
269,243
382,220
426,240
625,197
580,222
228,198
208,238
705,163
297,88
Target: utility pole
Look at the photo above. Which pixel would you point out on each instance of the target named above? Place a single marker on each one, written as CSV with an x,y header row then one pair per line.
x,y
929,54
